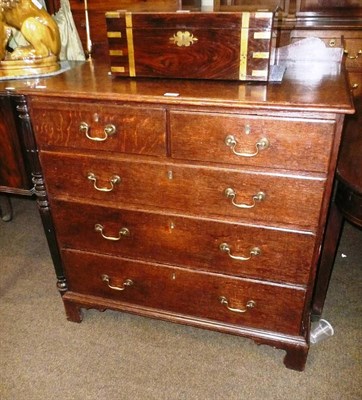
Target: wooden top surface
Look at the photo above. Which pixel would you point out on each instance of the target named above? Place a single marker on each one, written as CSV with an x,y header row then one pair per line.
x,y
311,88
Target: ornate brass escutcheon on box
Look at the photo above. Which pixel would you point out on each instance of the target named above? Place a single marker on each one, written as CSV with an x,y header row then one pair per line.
x,y
183,38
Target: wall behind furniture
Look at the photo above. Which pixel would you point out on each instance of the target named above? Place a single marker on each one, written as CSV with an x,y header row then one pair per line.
x,y
207,3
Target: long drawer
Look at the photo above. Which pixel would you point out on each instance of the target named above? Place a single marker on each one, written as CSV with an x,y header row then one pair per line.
x,y
101,127
257,141
200,295
227,248
252,196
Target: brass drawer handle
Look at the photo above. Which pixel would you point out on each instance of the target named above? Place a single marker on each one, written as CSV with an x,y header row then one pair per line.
x,y
250,304
108,130
115,179
126,283
123,232
354,86
225,248
359,53
231,142
231,194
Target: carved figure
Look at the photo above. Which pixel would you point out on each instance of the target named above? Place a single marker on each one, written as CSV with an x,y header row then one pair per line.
x,y
36,25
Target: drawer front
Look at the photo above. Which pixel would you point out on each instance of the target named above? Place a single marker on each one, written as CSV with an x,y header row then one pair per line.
x,y
269,142
201,295
202,244
353,51
120,129
220,193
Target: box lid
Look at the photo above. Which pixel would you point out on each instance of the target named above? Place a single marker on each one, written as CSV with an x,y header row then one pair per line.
x,y
192,45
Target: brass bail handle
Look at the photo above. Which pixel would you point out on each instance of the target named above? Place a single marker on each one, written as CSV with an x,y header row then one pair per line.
x,y
354,86
115,179
230,193
128,282
225,248
108,130
231,142
123,232
249,305
358,54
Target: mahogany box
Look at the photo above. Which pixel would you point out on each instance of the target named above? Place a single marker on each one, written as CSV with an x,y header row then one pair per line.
x,y
192,45
91,25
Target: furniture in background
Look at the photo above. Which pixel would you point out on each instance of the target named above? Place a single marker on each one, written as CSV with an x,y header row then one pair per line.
x,y
296,8
346,203
89,17
15,171
237,5
338,27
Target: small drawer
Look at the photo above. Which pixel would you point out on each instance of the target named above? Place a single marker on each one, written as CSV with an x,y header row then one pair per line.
x,y
248,140
214,297
243,196
353,53
97,126
232,249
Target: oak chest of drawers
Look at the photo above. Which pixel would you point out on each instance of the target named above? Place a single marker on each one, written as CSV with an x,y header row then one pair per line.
x,y
193,202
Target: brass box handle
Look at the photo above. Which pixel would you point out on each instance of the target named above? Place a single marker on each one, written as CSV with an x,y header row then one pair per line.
x,y
250,304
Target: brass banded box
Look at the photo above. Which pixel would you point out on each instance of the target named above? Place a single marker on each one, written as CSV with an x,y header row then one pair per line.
x,y
192,45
